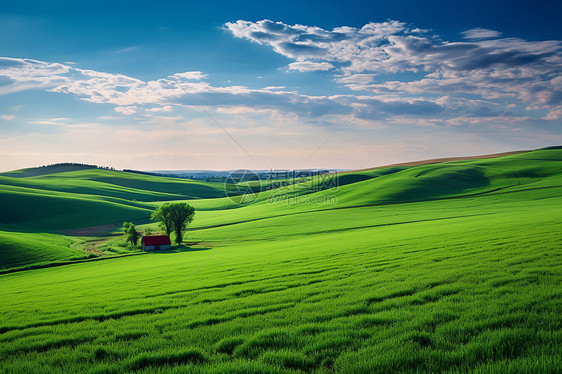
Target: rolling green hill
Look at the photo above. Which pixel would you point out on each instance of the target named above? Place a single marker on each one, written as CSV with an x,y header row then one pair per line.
x,y
20,249
461,179
57,199
72,198
80,198
111,183
448,267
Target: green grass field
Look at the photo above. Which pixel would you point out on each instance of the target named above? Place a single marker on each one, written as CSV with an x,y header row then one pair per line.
x,y
452,267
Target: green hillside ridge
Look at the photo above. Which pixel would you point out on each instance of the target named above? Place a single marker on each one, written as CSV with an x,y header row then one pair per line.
x,y
81,198
451,267
20,249
55,211
59,201
117,184
60,198
395,185
48,169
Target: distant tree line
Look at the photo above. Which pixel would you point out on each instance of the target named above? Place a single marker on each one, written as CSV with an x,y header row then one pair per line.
x,y
144,173
158,174
90,166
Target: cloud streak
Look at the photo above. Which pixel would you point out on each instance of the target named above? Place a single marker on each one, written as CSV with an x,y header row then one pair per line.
x,y
480,33
484,64
132,96
7,117
310,66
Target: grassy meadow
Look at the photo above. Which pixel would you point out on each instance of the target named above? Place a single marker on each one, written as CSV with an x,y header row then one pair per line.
x,y
450,267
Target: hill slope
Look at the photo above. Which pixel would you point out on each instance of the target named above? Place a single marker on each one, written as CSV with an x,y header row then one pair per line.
x,y
58,201
20,249
439,268
89,197
77,199
526,171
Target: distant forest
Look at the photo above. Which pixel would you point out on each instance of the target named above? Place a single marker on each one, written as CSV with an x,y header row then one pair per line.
x,y
76,164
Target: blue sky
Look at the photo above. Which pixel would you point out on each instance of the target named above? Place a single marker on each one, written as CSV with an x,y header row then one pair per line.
x,y
293,84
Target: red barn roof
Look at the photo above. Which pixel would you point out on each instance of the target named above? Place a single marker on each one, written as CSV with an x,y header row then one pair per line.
x,y
156,240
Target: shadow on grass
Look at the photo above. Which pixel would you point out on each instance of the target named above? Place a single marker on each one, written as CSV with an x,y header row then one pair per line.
x,y
188,247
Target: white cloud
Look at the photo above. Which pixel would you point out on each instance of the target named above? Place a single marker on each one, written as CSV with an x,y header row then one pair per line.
x,y
310,66
51,121
484,73
356,81
126,109
479,33
127,49
243,110
302,42
24,74
165,108
191,75
130,95
485,65
390,47
7,117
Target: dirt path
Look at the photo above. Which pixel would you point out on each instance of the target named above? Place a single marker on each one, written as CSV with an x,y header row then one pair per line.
x,y
92,247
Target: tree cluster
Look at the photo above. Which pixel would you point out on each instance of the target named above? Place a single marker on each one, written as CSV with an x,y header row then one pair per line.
x,y
174,217
131,234
77,164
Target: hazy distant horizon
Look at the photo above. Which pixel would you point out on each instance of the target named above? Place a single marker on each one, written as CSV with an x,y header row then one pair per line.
x,y
185,171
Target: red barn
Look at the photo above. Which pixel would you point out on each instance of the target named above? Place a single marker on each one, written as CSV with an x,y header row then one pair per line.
x,y
157,242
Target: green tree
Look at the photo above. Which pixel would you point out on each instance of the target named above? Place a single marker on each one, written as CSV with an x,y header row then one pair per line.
x,y
162,214
174,217
131,234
